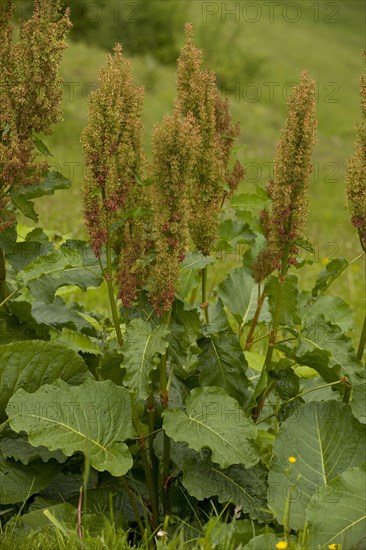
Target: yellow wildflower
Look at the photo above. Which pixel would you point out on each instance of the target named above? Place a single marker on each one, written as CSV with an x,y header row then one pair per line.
x,y
292,459
282,545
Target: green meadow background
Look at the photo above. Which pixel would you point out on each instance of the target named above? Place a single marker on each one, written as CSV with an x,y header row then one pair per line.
x,y
258,50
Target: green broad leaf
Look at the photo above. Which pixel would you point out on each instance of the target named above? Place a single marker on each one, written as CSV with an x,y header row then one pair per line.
x,y
326,278
255,360
58,315
185,328
64,267
266,541
243,487
141,345
287,383
52,182
25,206
8,238
13,331
232,232
196,260
15,445
320,334
358,403
326,440
19,482
37,521
236,293
215,420
218,319
32,363
42,147
189,276
23,253
289,305
76,341
250,201
333,308
338,512
222,363
94,418
305,244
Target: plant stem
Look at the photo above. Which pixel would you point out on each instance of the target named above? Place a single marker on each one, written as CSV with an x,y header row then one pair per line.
x,y
108,278
277,311
273,334
250,338
4,291
135,416
147,466
361,345
204,294
164,398
152,432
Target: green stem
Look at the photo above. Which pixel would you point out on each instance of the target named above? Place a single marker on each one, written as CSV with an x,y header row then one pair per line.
x,y
204,294
277,311
4,291
146,464
192,298
164,398
152,432
250,338
4,302
361,345
273,334
108,275
112,301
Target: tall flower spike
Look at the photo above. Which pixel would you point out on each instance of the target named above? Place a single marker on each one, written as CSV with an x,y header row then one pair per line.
x,y
289,190
112,146
37,90
175,144
198,96
356,170
30,94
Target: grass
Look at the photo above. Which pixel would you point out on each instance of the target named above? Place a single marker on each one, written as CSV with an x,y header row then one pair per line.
x,y
250,54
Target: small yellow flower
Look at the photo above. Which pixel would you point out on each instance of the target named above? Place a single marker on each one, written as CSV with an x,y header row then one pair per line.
x,y
292,459
325,261
334,546
281,545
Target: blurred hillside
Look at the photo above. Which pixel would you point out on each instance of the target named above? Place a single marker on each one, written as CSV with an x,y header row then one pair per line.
x,y
257,50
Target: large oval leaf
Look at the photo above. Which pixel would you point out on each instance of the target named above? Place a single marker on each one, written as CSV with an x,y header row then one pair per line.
x,y
240,486
338,512
215,420
31,364
222,363
142,343
326,440
236,293
19,482
93,418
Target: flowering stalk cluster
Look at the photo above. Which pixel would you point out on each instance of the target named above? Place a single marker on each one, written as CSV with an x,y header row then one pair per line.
x,y
175,145
283,226
211,180
112,147
30,94
356,172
